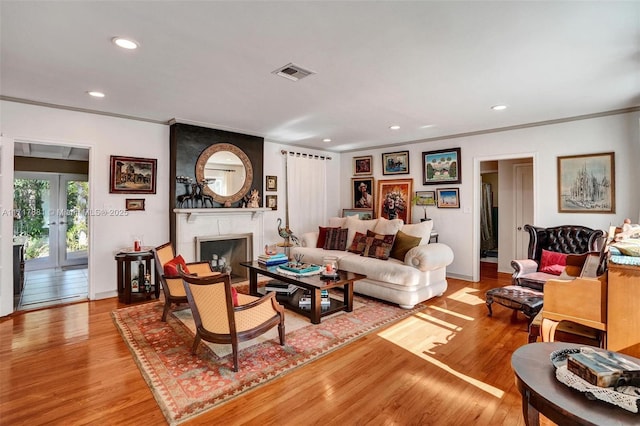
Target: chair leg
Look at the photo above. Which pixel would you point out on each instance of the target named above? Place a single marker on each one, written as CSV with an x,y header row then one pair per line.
x,y
234,347
165,311
281,333
489,308
196,342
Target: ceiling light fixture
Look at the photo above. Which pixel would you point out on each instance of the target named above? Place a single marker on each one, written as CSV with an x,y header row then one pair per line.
x,y
96,94
326,140
394,127
427,126
125,43
499,107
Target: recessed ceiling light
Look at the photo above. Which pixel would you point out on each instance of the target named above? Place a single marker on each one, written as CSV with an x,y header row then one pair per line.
x,y
96,94
499,107
394,127
125,43
326,140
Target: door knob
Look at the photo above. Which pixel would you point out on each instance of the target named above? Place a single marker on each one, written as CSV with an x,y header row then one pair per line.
x,y
62,223
519,228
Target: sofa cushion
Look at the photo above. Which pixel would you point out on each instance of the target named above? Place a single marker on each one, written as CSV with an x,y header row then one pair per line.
x,y
337,222
359,243
322,236
378,245
422,230
552,262
354,224
336,239
402,244
386,226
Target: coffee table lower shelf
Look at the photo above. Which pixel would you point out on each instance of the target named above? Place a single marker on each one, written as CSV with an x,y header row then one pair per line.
x,y
313,283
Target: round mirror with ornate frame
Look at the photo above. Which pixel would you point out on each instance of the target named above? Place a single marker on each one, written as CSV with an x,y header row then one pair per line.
x,y
209,163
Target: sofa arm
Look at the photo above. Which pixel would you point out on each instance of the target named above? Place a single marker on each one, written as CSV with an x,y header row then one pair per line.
x,y
309,239
429,257
522,267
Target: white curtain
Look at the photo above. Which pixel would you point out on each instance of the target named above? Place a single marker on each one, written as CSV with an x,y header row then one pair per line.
x,y
307,193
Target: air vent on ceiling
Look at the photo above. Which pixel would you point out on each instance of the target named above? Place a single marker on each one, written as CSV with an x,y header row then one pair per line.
x,y
293,72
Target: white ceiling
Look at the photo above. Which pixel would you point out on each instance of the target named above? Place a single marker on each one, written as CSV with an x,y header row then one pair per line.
x,y
378,63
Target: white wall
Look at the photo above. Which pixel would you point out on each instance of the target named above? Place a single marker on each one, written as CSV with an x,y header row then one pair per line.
x,y
457,227
105,136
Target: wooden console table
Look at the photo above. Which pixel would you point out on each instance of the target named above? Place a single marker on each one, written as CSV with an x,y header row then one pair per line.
x,y
124,259
543,393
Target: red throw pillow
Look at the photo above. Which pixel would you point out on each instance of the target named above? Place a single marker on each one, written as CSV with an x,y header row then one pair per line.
x,y
234,296
552,262
322,236
359,243
171,267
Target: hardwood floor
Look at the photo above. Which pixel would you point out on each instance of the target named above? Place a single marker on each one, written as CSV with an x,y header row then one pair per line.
x,y
447,365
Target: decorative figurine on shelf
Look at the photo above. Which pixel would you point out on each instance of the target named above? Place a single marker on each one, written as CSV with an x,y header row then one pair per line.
x,y
254,199
288,236
186,199
200,196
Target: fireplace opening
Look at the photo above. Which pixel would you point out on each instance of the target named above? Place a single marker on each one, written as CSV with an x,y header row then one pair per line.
x,y
233,249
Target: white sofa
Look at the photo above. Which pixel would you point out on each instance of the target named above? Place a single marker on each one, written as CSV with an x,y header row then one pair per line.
x,y
420,277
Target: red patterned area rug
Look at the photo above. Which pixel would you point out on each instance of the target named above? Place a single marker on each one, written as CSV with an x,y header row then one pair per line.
x,y
186,385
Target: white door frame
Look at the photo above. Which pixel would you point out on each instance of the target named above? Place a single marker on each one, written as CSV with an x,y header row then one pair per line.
x,y
477,201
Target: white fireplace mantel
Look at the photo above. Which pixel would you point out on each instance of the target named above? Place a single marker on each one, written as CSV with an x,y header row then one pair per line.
x,y
193,214
192,224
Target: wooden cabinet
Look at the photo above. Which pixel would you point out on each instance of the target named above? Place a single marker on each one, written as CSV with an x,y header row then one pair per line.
x,y
623,309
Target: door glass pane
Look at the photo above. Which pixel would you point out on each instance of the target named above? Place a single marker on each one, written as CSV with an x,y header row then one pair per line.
x,y
77,242
32,198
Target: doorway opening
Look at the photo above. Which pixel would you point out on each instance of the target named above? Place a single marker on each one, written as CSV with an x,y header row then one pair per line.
x,y
51,229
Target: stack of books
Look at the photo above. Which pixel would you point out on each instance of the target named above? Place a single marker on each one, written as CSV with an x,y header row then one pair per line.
x,y
305,299
272,259
280,287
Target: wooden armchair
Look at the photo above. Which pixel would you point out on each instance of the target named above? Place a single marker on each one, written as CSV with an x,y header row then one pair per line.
x,y
219,321
172,284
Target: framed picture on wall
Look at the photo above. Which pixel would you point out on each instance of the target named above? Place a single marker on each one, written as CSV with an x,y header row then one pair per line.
x,y
395,163
272,202
362,193
394,199
132,204
272,183
425,198
441,166
131,175
363,165
586,183
448,198
363,214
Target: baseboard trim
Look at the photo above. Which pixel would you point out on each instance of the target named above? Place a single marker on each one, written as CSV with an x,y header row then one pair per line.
x,y
105,295
460,277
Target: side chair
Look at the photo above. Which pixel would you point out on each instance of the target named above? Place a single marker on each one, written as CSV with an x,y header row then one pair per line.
x,y
172,284
219,321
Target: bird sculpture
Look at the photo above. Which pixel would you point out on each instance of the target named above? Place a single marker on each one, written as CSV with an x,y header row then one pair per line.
x,y
287,234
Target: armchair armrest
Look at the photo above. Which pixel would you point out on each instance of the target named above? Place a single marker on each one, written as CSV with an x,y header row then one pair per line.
x,y
522,267
429,257
309,239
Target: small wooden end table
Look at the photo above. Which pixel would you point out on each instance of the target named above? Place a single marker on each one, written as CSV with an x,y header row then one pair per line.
x,y
124,258
314,283
543,393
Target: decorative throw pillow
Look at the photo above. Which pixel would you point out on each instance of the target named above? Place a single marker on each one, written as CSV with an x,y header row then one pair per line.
x,y
358,244
171,267
354,224
336,239
322,236
378,246
552,262
422,229
234,296
386,226
402,244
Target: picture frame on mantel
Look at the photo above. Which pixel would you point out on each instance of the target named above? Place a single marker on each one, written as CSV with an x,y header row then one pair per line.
x,y
132,175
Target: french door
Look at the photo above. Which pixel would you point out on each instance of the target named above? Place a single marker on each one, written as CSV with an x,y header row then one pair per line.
x,y
53,215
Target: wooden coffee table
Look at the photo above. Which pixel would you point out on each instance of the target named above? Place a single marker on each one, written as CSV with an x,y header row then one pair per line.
x,y
314,283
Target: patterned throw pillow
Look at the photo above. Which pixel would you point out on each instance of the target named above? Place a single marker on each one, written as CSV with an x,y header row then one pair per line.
x,y
322,236
403,244
359,243
171,267
378,246
336,239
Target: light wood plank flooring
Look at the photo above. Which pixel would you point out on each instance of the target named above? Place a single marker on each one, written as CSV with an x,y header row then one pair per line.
x,y
447,365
